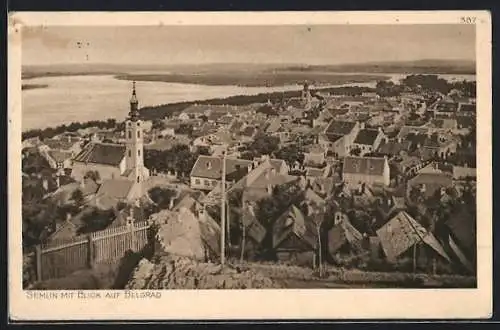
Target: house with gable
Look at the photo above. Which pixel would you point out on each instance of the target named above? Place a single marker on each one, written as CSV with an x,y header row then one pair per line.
x,y
357,171
368,140
404,237
206,173
294,238
339,137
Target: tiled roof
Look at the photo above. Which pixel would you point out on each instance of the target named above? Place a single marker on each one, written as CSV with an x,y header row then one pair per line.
x,y
60,144
295,102
274,126
365,165
293,221
442,179
340,127
366,136
115,188
235,126
405,130
463,227
211,168
333,137
248,131
447,107
60,156
467,107
402,232
393,148
466,121
314,172
102,153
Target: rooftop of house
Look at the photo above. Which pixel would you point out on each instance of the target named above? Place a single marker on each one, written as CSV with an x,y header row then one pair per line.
x,y
101,153
402,232
62,143
405,130
465,107
340,127
235,126
393,148
249,131
448,123
274,126
364,165
293,221
332,137
462,224
367,136
436,178
444,106
115,188
314,172
211,168
60,156
315,149
466,121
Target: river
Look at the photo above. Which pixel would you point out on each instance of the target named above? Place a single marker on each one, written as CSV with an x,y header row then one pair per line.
x,y
83,98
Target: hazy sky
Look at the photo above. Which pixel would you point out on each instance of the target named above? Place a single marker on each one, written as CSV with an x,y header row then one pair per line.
x,y
325,44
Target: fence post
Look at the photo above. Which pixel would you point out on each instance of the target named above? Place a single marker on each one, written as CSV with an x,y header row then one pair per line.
x,y
38,262
90,256
132,236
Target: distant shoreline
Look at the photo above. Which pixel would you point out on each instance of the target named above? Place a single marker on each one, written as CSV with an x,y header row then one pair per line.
x,y
257,79
33,86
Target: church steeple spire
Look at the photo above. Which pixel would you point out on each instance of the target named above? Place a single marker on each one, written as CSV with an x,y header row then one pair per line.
x,y
134,105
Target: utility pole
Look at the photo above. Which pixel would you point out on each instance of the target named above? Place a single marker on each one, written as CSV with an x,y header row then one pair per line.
x,y
223,212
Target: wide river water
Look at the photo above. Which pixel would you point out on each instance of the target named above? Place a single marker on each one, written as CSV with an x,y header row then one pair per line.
x,y
84,98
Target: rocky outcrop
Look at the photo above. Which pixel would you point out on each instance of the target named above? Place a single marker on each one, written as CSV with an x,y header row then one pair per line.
x,y
174,272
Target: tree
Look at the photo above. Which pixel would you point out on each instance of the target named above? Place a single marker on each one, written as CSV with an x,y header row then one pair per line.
x,y
162,196
291,153
96,220
93,175
262,145
77,197
158,124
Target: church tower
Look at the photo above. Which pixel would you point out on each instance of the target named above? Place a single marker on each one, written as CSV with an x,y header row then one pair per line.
x,y
306,97
134,141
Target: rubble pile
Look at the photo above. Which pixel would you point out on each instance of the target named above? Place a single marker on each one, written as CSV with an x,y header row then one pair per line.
x,y
176,272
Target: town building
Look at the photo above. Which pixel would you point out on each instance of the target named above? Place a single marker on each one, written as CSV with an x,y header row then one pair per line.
x,y
368,140
207,171
339,137
357,171
117,161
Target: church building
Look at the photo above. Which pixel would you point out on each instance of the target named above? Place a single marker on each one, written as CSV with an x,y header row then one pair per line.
x,y
117,163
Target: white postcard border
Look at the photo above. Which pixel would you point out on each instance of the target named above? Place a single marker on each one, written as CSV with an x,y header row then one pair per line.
x,y
257,304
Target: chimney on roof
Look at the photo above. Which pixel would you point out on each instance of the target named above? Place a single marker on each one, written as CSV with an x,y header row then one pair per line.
x,y
209,165
269,189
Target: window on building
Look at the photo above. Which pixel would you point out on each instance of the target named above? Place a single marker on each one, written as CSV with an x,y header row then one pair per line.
x,y
138,134
207,183
197,181
214,183
129,134
130,153
138,124
138,179
139,152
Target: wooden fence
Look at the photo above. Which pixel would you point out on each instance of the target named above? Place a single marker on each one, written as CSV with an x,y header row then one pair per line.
x,y
59,259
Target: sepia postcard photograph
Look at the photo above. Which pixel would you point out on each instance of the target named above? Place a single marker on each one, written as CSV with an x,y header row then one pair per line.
x,y
262,165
